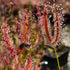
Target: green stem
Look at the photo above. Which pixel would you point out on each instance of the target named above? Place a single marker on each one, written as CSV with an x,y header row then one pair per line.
x,y
57,59
9,64
25,57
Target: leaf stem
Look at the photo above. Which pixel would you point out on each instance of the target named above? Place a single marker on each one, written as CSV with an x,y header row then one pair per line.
x,y
57,58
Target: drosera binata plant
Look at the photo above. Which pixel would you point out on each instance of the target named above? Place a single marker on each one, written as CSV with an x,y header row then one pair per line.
x,y
44,18
30,37
25,47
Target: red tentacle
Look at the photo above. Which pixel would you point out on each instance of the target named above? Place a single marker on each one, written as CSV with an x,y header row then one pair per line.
x,y
56,36
46,25
57,28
